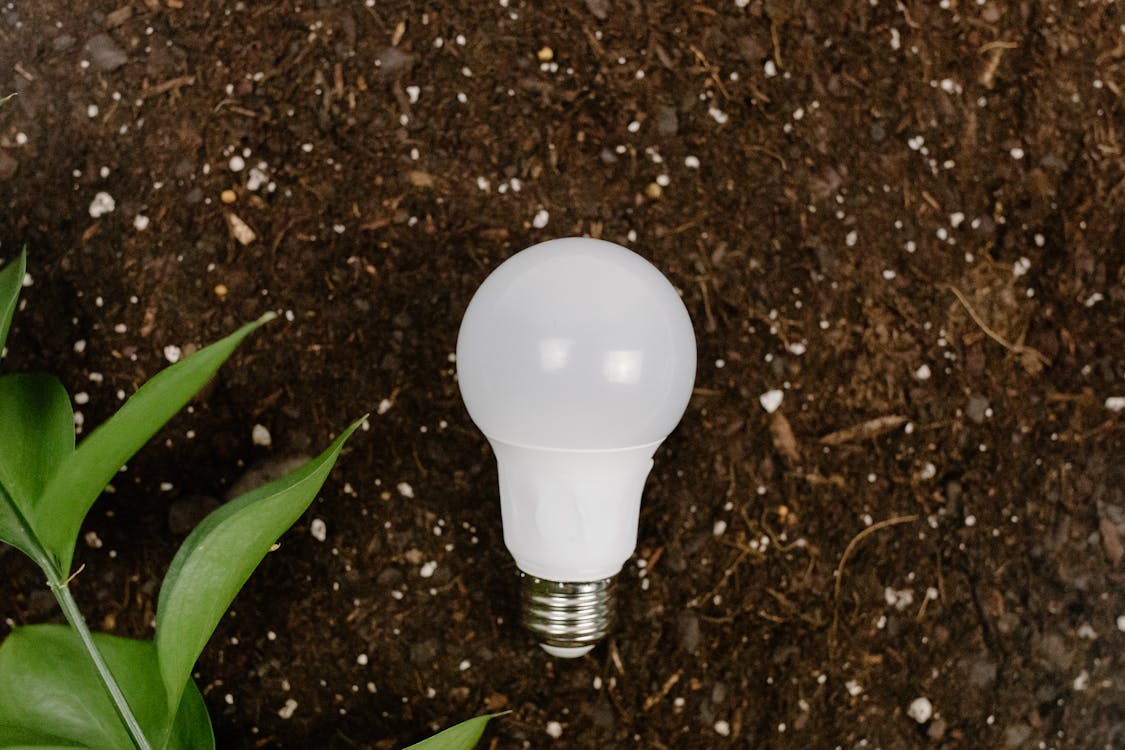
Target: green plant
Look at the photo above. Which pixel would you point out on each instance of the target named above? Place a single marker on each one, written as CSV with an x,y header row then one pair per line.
x,y
65,687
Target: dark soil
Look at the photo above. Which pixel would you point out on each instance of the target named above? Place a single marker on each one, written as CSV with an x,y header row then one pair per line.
x,y
882,192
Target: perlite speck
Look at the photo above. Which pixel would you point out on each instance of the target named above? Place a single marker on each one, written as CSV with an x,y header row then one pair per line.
x,y
771,400
261,436
102,204
921,710
286,711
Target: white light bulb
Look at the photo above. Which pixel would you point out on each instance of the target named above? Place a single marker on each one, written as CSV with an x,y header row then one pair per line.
x,y
576,358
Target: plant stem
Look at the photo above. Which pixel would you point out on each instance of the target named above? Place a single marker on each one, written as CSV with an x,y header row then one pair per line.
x,y
74,617
59,587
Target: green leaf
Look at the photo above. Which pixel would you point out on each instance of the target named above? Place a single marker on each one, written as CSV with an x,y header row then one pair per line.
x,y
220,554
13,738
59,512
36,434
15,530
11,281
47,681
463,736
36,437
192,728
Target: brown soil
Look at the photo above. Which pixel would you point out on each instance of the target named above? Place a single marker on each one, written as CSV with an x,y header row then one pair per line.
x,y
861,164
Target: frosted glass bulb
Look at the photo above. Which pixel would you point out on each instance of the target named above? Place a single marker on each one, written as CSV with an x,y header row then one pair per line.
x,y
576,358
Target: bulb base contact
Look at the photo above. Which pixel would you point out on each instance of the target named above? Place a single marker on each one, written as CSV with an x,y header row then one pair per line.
x,y
568,618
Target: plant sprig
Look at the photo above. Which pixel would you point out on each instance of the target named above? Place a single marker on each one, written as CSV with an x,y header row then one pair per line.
x,y
67,687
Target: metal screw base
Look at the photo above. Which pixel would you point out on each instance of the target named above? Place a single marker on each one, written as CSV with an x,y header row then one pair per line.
x,y
566,616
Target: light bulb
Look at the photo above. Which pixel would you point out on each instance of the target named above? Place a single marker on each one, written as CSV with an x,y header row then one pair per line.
x,y
576,358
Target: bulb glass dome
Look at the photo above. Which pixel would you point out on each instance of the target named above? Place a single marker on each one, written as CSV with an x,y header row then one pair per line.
x,y
576,344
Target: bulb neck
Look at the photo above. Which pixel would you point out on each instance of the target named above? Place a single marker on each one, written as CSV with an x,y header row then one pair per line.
x,y
568,618
571,515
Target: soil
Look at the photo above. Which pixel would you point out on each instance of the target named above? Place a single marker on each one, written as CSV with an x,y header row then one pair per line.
x,y
905,212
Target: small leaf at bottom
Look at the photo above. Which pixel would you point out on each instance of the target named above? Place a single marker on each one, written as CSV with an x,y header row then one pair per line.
x,y
463,736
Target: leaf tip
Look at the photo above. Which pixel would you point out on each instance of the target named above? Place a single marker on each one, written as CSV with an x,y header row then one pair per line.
x,y
347,433
266,318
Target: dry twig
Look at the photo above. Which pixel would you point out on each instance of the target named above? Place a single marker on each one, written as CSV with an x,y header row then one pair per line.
x,y
726,575
1021,349
864,430
844,559
652,700
173,84
784,441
